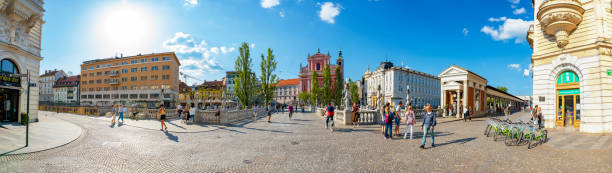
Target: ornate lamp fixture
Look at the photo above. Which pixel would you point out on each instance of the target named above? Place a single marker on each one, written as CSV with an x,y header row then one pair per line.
x,y
559,18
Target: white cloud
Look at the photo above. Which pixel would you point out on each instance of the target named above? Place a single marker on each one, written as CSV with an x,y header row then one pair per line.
x,y
514,1
269,3
491,19
196,58
519,11
465,31
526,72
329,11
511,29
190,3
282,14
252,45
515,67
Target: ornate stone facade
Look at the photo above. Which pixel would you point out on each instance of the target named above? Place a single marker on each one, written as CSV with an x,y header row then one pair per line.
x,y
572,63
20,41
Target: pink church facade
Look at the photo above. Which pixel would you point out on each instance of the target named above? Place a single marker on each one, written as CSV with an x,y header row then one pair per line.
x,y
317,63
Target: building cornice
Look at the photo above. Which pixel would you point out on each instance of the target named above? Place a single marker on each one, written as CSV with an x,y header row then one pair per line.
x,y
20,50
603,48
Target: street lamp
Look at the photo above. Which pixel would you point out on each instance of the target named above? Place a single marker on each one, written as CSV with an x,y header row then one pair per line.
x,y
27,75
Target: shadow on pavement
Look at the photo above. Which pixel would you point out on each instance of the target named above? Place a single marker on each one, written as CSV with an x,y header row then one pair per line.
x,y
462,141
299,120
171,136
353,130
170,122
12,151
420,134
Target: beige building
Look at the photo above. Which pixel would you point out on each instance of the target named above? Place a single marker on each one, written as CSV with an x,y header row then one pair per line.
x,y
46,83
20,37
572,63
141,80
287,91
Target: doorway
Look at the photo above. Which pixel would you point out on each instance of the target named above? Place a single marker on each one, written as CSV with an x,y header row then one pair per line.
x,y
568,109
9,99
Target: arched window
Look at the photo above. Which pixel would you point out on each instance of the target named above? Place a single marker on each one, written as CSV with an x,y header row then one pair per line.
x,y
7,66
318,66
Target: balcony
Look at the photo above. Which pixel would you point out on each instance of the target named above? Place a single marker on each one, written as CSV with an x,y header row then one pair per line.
x,y
114,74
114,82
559,18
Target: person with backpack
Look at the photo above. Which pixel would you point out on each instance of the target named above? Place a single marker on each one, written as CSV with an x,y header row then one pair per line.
x,y
429,122
329,111
192,112
397,118
410,121
389,122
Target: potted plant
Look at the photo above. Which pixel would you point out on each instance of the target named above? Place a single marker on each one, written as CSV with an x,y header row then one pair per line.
x,y
24,119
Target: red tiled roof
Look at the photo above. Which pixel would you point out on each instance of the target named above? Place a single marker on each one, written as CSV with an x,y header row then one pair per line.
x,y
67,81
288,82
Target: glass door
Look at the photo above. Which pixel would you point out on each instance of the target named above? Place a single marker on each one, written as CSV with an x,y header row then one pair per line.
x,y
559,113
577,111
568,110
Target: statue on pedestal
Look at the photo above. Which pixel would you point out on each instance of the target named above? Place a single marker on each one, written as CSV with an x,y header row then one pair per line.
x,y
347,95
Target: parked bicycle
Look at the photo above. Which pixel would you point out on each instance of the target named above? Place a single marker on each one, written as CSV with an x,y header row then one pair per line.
x,y
516,133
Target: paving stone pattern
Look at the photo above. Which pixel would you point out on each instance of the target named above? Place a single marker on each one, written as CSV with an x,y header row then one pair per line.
x,y
298,145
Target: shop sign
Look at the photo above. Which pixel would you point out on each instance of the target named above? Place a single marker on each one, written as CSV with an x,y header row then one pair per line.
x,y
569,92
7,80
609,72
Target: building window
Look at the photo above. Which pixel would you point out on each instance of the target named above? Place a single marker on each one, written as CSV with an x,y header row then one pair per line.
x,y
134,70
166,77
134,62
91,89
91,81
154,68
106,65
318,66
115,88
84,68
124,79
106,81
154,96
106,88
143,78
124,96
143,69
124,87
166,67
106,72
143,60
99,81
124,71
154,77
166,58
91,67
98,66
91,74
154,59
98,96
99,73
133,78
124,63
133,96
106,96
144,96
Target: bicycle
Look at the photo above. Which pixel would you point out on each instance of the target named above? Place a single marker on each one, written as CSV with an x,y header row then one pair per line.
x,y
515,134
535,137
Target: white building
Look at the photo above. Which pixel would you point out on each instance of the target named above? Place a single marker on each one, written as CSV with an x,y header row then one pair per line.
x,y
46,83
66,90
287,91
390,82
230,82
20,37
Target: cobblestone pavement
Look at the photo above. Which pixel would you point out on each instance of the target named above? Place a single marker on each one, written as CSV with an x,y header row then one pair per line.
x,y
298,145
48,133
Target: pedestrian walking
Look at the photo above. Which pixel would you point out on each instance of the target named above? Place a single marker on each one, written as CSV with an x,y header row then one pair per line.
x,y
410,121
186,112
269,111
467,114
179,110
192,112
397,118
429,122
113,114
507,112
162,117
539,116
330,112
290,111
355,114
122,110
388,122
254,113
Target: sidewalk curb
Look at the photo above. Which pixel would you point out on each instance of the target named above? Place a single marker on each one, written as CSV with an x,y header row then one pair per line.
x,y
47,149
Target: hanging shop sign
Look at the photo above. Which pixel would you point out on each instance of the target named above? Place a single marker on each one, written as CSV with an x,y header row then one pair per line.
x,y
8,80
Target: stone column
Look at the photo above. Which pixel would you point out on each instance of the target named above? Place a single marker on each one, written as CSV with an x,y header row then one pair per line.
x,y
457,102
465,95
443,101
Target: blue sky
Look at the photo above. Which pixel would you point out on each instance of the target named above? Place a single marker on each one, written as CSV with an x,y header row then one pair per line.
x,y
484,36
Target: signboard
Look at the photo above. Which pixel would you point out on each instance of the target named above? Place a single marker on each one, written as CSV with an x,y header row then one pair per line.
x,y
568,92
609,72
8,80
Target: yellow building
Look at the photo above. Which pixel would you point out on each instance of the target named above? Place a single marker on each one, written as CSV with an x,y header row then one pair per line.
x,y
572,63
210,92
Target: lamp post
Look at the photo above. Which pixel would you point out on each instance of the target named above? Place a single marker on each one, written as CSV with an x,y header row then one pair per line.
x,y
27,75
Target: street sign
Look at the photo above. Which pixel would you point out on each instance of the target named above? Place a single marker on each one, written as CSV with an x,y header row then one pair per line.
x,y
609,72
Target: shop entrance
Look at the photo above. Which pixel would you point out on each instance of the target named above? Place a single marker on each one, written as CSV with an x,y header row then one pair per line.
x,y
9,98
568,109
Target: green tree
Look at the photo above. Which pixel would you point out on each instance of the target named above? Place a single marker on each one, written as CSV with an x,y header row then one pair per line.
x,y
246,82
304,98
502,88
338,87
268,78
327,85
315,95
354,90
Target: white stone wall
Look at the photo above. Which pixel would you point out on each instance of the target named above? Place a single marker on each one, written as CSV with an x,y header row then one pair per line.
x,y
596,114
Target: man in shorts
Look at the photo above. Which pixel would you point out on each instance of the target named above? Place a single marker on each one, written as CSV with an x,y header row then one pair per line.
x,y
330,110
